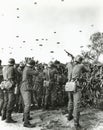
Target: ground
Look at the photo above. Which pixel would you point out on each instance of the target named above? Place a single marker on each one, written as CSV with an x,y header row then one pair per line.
x,y
90,119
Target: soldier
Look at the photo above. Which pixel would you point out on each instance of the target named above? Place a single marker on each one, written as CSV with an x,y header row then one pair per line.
x,y
9,76
1,91
19,101
52,86
75,97
38,87
46,88
26,91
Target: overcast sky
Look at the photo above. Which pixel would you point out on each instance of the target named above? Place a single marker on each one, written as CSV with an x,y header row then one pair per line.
x,y
69,22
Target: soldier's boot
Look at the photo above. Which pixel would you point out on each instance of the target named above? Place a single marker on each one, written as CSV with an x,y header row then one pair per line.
x,y
3,115
27,123
70,116
29,118
9,119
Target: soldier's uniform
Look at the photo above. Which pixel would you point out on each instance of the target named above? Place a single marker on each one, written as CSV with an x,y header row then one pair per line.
x,y
9,74
38,87
1,91
46,89
53,85
75,97
26,90
19,100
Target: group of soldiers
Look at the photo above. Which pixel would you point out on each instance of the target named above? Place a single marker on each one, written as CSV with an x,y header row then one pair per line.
x,y
29,84
43,86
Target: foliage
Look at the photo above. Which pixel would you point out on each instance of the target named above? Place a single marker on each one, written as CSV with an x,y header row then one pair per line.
x,y
95,47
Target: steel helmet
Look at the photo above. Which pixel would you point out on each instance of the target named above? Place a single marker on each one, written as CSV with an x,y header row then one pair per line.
x,y
31,63
78,58
11,61
22,64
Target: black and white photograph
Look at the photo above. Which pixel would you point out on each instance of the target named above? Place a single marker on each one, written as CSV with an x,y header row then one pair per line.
x,y
51,64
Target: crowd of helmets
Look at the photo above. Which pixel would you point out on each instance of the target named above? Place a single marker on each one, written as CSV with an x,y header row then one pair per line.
x,y
91,83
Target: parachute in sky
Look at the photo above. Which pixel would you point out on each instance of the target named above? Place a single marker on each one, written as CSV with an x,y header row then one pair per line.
x,y
51,51
35,3
81,46
40,45
24,41
17,36
37,39
58,42
17,8
92,25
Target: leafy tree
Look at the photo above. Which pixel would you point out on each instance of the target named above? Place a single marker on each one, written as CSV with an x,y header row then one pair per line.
x,y
95,47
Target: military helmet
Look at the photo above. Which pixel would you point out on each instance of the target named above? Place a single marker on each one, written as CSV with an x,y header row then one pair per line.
x,y
11,61
78,58
22,64
31,63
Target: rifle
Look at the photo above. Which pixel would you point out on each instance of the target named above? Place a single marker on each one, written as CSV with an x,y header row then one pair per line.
x,y
69,54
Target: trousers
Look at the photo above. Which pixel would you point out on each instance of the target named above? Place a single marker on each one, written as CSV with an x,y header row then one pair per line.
x,y
9,101
74,105
26,95
1,100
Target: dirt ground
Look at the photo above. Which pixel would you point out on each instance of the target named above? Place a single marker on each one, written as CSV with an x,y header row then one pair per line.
x,y
90,119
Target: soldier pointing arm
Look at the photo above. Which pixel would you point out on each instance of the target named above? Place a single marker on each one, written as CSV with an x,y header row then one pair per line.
x,y
26,91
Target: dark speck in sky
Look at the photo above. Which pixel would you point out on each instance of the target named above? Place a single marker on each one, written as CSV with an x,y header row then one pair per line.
x,y
58,42
40,45
92,25
35,3
81,46
51,51
37,39
24,41
17,8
